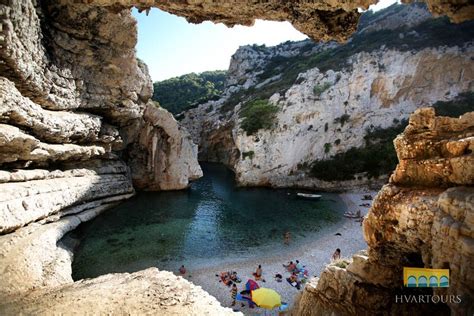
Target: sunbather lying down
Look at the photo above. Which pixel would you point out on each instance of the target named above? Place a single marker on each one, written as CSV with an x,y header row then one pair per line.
x,y
228,277
293,280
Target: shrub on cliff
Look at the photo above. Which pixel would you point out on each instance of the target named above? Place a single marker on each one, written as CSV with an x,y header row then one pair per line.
x,y
320,88
257,114
376,158
463,103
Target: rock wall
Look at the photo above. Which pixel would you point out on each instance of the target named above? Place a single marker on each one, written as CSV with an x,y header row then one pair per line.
x,y
375,90
422,218
72,102
164,157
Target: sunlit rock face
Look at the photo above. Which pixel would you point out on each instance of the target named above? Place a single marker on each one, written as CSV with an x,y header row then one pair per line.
x,y
361,91
145,292
422,218
164,157
72,99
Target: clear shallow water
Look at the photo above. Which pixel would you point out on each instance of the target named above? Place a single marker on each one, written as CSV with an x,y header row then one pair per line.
x,y
212,220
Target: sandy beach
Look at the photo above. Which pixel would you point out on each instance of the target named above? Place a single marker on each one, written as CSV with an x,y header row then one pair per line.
x,y
314,254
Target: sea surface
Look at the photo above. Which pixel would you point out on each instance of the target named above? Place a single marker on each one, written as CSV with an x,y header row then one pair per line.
x,y
213,221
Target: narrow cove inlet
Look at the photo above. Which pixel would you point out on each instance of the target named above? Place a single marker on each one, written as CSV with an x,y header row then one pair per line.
x,y
212,222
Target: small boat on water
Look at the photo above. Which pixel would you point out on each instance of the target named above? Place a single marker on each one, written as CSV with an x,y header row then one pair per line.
x,y
309,196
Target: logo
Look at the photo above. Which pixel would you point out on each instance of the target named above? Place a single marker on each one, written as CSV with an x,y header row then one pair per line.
x,y
421,277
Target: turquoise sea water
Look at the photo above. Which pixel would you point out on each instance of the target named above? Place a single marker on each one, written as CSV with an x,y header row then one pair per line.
x,y
213,220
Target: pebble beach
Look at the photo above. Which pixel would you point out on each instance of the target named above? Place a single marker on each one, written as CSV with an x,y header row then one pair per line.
x,y
315,255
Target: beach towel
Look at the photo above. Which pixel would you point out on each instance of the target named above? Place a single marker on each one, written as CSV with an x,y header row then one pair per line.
x,y
293,284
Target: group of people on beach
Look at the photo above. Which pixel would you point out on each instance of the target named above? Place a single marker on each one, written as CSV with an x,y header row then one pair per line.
x,y
229,278
298,274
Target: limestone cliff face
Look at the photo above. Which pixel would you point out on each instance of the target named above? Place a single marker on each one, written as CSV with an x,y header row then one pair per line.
x,y
422,218
367,95
375,89
164,157
72,102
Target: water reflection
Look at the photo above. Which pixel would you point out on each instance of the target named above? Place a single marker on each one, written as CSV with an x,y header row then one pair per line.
x,y
213,219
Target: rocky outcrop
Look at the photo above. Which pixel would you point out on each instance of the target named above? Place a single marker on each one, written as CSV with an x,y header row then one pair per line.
x,y
457,12
322,20
328,110
164,157
31,195
72,96
434,158
413,223
145,292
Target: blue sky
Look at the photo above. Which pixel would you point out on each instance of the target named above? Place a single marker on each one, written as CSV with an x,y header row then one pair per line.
x,y
172,47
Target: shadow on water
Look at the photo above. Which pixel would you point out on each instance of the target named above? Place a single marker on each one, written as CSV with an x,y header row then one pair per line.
x,y
212,219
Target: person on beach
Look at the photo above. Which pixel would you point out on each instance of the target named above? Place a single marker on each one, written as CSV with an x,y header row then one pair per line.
x,y
336,255
233,292
234,277
258,273
293,280
278,277
225,278
182,270
286,238
299,267
290,267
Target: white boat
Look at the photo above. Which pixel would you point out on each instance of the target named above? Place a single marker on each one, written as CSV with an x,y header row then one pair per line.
x,y
309,196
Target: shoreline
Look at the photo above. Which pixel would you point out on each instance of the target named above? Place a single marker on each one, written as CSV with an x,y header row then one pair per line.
x,y
315,255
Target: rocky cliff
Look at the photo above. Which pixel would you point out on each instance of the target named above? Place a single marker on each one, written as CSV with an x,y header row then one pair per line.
x,y
421,218
159,160
331,98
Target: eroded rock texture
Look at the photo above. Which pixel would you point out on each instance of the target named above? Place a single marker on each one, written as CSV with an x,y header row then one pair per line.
x,y
164,157
422,218
320,20
145,292
72,97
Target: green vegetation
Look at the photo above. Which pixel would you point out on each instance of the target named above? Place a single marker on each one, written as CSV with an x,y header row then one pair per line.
x,y
258,114
320,88
376,158
341,263
342,119
378,155
430,33
185,92
249,154
463,103
327,147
